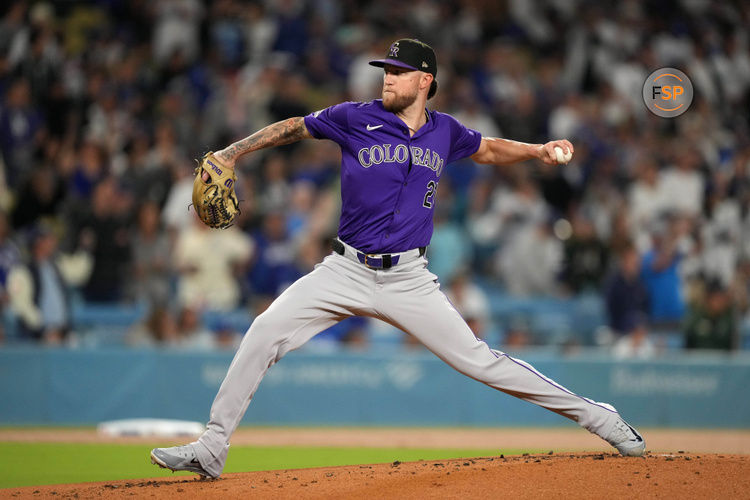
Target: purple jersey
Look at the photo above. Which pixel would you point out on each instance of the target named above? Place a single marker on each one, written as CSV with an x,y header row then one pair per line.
x,y
389,179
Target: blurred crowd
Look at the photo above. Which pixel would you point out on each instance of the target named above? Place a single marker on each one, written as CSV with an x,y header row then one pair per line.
x,y
105,105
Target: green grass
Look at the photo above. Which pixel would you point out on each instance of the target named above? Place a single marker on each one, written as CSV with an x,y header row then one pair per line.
x,y
31,464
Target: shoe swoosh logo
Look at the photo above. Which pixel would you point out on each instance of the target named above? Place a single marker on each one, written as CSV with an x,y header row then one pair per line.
x,y
637,436
373,127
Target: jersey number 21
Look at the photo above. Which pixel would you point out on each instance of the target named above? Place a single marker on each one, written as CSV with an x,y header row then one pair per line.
x,y
428,197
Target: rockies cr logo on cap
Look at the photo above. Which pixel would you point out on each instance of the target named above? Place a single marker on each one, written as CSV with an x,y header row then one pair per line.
x,y
411,54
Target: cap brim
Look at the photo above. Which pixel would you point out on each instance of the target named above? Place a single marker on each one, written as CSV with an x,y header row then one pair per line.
x,y
393,62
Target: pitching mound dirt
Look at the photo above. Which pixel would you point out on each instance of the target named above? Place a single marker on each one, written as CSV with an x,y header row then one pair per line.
x,y
592,475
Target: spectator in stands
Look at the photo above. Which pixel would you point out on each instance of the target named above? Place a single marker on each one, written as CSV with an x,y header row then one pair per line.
x,y
660,274
260,31
311,249
350,333
40,196
586,257
470,112
226,337
273,268
622,235
602,201
276,189
21,130
450,248
226,35
682,184
625,293
470,301
104,230
512,210
153,179
318,165
558,191
208,263
712,320
530,263
302,199
517,334
720,232
175,213
288,100
177,29
481,227
150,248
636,343
158,329
40,291
42,57
192,334
90,169
646,199
10,257
108,123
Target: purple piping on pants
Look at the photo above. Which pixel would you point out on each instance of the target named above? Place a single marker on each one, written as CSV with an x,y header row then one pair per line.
x,y
494,353
532,370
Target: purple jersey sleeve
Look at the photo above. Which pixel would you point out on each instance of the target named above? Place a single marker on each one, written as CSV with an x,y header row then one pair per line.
x,y
464,141
330,123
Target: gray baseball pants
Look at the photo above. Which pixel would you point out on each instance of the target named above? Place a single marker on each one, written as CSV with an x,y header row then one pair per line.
x,y
408,297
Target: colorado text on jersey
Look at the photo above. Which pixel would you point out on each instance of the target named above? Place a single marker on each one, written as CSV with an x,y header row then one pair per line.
x,y
377,154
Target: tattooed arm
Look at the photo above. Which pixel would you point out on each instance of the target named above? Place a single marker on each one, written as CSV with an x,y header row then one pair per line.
x,y
276,134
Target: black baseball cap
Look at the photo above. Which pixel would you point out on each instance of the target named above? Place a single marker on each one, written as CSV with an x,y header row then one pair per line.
x,y
410,54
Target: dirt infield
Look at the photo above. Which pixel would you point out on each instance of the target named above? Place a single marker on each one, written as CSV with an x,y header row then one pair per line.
x,y
680,464
592,475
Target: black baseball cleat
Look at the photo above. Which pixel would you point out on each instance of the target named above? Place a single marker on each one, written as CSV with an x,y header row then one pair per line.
x,y
179,458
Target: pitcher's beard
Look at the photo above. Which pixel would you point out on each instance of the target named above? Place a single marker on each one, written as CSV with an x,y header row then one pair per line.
x,y
397,103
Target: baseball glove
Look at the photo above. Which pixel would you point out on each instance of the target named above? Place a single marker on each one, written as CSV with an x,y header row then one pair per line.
x,y
214,199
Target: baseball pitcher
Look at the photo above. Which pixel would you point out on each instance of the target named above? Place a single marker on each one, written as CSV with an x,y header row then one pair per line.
x,y
393,153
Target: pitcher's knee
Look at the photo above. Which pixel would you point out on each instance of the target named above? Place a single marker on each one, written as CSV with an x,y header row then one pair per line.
x,y
267,332
484,370
269,322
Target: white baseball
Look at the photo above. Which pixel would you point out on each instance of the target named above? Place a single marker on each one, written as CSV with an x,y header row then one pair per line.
x,y
562,157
